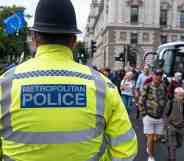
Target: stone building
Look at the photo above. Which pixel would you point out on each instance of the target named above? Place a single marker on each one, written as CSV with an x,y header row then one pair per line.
x,y
139,25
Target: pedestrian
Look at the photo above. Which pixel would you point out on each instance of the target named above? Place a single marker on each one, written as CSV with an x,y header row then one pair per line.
x,y
136,73
152,103
175,82
141,80
127,89
139,86
54,109
183,83
174,115
118,78
113,77
105,72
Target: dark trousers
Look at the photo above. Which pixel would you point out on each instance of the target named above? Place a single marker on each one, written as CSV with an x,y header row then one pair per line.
x,y
172,153
175,140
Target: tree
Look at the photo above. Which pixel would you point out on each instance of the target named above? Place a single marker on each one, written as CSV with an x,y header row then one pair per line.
x,y
12,46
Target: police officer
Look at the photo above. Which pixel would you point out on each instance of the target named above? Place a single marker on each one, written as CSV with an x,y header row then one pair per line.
x,y
53,109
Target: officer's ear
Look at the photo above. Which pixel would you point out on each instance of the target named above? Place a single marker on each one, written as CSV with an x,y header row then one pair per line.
x,y
72,42
34,43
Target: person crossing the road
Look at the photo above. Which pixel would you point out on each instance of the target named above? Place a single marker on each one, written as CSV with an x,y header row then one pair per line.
x,y
174,114
152,104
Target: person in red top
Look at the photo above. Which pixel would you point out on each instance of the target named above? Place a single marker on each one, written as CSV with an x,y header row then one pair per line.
x,y
164,78
176,82
150,79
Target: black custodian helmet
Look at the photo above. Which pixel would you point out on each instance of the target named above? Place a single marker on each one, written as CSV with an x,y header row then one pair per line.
x,y
55,17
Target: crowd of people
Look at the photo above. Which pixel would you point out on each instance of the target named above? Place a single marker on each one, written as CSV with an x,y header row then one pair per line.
x,y
158,101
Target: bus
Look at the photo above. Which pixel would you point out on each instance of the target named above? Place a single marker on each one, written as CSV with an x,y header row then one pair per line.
x,y
170,57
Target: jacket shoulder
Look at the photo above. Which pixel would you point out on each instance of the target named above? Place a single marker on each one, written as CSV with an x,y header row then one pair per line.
x,y
106,80
26,66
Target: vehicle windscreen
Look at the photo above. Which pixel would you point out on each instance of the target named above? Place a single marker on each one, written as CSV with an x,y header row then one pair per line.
x,y
168,61
179,60
173,60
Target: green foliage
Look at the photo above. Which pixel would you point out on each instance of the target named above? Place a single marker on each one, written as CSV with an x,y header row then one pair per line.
x,y
12,46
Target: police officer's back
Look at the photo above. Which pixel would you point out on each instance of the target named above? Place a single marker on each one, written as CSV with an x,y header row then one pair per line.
x,y
53,109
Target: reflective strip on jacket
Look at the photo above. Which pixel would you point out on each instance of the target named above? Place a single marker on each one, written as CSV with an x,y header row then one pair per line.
x,y
55,109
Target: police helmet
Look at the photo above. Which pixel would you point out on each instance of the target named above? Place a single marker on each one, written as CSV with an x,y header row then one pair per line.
x,y
55,17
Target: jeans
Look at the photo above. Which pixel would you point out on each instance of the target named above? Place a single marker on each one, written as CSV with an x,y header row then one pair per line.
x,y
127,100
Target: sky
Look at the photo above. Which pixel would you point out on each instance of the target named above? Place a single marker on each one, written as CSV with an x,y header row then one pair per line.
x,y
81,7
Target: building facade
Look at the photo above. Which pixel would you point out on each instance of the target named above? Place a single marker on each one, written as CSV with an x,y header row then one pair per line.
x,y
132,26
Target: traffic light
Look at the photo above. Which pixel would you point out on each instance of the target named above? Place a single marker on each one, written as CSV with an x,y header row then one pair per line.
x,y
120,58
82,56
93,47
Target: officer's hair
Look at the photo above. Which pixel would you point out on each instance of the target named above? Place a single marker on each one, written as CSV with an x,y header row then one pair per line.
x,y
45,38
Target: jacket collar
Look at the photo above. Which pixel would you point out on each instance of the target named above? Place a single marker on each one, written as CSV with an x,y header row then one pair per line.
x,y
55,51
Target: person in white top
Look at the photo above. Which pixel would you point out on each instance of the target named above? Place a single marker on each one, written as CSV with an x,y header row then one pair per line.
x,y
127,90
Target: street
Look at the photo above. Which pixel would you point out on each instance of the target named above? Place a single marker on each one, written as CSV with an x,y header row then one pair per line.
x,y
161,150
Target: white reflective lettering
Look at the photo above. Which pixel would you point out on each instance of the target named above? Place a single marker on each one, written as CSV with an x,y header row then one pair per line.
x,y
68,99
80,99
82,89
27,98
59,98
54,96
40,99
49,98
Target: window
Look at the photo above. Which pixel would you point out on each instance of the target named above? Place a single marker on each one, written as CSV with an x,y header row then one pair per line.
x,y
168,59
182,19
146,37
182,38
134,38
112,36
107,9
179,63
123,36
163,39
134,14
179,60
174,37
163,17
